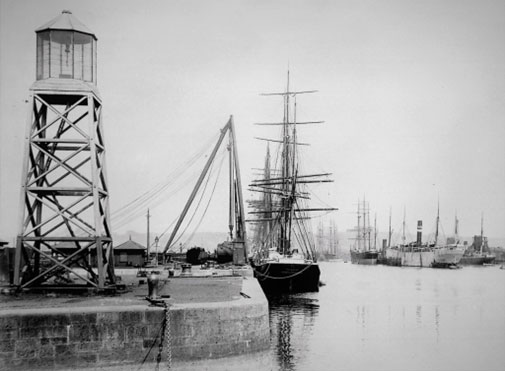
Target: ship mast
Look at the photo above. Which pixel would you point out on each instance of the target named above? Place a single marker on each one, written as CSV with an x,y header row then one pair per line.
x,y
359,228
456,232
438,221
403,227
389,232
285,216
375,232
481,232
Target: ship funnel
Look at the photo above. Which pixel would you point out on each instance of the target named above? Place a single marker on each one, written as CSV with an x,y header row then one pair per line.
x,y
419,231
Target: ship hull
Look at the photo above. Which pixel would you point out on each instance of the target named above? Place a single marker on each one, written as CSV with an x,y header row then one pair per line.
x,y
364,257
422,258
411,258
477,259
392,257
286,278
447,256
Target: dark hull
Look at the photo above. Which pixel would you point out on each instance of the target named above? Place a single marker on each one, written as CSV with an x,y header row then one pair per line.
x,y
286,278
364,257
477,260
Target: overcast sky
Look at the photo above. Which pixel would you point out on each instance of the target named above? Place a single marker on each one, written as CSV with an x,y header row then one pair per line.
x,y
412,94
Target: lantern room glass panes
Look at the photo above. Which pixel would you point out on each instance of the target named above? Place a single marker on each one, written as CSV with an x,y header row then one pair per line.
x,y
66,55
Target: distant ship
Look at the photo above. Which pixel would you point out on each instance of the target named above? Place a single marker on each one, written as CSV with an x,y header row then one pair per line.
x,y
478,253
450,254
426,255
284,257
362,251
327,243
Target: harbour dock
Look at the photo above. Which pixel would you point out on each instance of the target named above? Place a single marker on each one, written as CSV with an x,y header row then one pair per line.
x,y
210,314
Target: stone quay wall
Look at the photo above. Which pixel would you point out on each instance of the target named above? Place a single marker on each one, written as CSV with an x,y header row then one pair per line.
x,y
54,338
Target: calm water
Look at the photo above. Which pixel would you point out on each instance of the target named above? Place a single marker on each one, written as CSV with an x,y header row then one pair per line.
x,y
387,318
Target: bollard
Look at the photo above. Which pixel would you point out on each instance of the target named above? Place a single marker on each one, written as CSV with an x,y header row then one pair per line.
x,y
186,270
153,285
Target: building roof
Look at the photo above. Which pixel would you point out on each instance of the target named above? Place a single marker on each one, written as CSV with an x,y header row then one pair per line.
x,y
66,21
129,245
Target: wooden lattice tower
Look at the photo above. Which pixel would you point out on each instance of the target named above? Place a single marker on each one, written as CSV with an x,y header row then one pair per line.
x,y
64,235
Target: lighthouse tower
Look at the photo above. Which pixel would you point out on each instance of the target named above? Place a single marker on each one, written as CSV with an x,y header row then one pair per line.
x,y
64,234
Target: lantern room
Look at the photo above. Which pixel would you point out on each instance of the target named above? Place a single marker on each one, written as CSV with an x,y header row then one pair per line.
x,y
66,49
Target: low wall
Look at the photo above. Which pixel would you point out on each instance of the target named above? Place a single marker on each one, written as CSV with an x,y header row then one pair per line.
x,y
114,335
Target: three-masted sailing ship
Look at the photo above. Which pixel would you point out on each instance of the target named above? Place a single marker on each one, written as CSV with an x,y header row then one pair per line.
x,y
284,257
362,251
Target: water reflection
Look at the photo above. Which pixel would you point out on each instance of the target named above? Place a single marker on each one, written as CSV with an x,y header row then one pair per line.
x,y
292,320
437,322
419,315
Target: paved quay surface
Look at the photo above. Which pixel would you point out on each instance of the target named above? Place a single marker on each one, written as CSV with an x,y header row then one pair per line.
x,y
203,286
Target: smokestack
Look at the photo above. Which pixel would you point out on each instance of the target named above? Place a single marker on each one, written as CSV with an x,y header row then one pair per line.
x,y
419,231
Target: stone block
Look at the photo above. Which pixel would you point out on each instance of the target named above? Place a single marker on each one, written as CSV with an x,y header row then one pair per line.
x,y
151,343
26,348
130,317
8,323
29,332
88,346
31,364
53,331
154,316
46,351
5,360
108,357
8,334
84,333
54,340
107,318
44,320
133,332
86,318
7,345
86,358
65,350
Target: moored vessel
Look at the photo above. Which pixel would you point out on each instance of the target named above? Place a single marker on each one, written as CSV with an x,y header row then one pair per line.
x,y
478,253
362,251
284,256
450,254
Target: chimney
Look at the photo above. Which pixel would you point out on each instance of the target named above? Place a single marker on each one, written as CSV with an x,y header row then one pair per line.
x,y
419,231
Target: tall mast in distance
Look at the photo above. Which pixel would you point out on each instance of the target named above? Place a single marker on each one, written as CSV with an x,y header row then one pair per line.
x,y
389,232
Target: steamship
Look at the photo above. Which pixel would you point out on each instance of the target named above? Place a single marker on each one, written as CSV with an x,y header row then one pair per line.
x,y
419,254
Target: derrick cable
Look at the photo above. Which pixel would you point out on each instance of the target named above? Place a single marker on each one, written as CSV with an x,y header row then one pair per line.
x,y
196,208
199,201
169,180
139,210
134,208
208,203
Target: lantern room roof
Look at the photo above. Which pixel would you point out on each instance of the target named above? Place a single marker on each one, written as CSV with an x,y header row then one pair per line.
x,y
66,21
